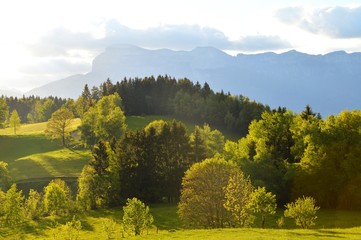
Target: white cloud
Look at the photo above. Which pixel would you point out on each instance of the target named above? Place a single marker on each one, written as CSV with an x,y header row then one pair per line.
x,y
60,42
335,22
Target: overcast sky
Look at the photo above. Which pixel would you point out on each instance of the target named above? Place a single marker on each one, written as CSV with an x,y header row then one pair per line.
x,y
43,41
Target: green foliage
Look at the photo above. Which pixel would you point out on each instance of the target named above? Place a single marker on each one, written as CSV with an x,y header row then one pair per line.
x,y
207,141
70,231
13,207
104,121
330,166
47,109
4,112
57,198
4,176
87,197
303,210
153,161
237,195
136,217
14,121
265,153
263,202
109,228
203,196
34,206
280,222
58,126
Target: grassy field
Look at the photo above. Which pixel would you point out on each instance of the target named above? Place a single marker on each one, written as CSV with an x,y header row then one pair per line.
x,y
168,226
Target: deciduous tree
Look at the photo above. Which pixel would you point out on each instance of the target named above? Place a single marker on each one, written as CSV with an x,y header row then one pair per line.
x,y
57,198
4,176
104,121
263,202
136,217
14,121
4,112
237,195
203,196
58,126
13,208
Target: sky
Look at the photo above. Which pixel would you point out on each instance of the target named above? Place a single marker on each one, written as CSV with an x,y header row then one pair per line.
x,y
43,41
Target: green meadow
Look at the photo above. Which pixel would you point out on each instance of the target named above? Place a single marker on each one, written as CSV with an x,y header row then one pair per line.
x,y
330,225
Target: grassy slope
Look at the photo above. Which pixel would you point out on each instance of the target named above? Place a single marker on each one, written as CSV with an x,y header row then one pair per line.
x,y
169,227
31,155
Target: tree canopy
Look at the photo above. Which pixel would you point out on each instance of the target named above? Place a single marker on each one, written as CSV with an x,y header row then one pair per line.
x,y
58,126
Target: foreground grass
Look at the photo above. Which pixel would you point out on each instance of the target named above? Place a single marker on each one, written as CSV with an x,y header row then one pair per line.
x,y
168,226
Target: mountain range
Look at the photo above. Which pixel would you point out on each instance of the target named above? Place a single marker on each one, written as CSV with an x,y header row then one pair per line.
x,y
329,83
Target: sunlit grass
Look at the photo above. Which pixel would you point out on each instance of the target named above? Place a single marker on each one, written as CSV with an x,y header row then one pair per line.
x,y
168,226
59,163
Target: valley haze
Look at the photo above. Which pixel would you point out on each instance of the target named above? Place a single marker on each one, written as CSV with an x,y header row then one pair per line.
x,y
329,83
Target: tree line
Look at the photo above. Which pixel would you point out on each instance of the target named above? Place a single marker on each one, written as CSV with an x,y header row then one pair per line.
x,y
163,95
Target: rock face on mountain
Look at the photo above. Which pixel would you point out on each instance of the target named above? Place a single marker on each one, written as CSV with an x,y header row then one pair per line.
x,y
329,83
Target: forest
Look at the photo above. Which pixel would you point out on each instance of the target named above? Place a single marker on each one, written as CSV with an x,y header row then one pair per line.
x,y
280,158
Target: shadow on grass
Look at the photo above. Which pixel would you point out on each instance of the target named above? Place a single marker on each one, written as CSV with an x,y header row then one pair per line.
x,y
166,217
320,233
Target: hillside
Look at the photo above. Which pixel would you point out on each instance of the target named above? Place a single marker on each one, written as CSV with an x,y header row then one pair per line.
x,y
329,83
33,157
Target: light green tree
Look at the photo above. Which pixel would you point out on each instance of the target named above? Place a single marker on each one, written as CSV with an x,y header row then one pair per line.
x,y
13,207
213,139
57,198
104,121
137,217
14,120
34,206
237,195
202,195
303,210
58,126
263,202
4,176
4,112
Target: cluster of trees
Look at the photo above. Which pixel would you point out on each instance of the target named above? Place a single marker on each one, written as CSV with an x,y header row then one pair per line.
x,y
56,199
301,154
148,164
290,154
33,109
216,194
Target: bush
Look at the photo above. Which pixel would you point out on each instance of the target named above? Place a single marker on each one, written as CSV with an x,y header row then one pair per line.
x,y
303,210
136,217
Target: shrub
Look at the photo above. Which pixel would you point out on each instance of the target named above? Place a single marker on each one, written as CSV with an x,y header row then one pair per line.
x,y
303,210
136,217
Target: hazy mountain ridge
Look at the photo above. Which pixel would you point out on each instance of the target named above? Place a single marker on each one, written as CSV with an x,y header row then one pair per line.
x,y
329,83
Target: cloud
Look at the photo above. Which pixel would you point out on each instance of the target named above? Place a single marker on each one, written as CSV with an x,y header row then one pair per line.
x,y
61,42
48,67
188,37
262,43
336,22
